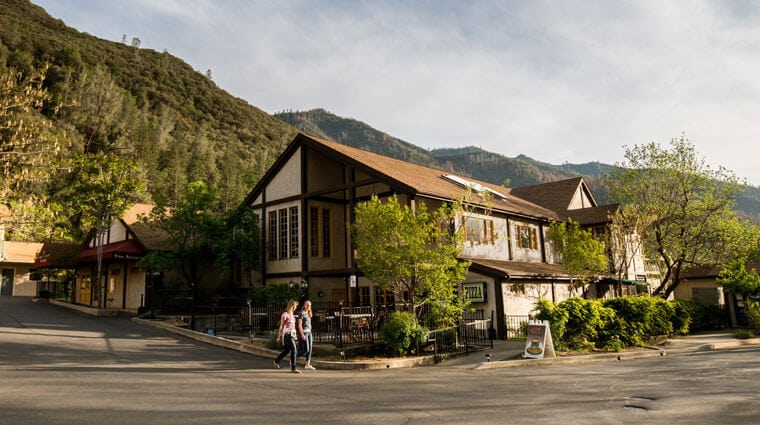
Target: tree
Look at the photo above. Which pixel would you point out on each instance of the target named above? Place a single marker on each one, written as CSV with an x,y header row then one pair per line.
x,y
192,229
582,255
102,187
683,206
28,151
411,251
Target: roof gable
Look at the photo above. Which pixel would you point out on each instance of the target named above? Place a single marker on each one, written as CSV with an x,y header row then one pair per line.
x,y
406,177
558,196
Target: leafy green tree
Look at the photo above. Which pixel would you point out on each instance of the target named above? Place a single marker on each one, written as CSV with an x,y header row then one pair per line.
x,y
684,207
411,251
240,244
736,279
583,256
102,187
193,231
28,152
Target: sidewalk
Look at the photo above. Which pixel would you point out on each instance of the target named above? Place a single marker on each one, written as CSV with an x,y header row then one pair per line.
x,y
504,354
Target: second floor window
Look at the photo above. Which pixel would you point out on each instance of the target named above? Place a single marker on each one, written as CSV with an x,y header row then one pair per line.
x,y
320,232
479,230
527,237
282,234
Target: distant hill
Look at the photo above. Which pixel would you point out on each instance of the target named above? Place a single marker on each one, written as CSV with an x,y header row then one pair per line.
x,y
470,161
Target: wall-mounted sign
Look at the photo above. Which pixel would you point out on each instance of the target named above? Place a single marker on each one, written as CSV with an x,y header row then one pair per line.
x,y
474,292
352,281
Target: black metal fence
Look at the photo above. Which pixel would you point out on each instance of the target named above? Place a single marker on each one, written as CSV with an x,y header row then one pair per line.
x,y
461,339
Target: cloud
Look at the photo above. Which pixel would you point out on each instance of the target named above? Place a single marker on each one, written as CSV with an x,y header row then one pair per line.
x,y
559,81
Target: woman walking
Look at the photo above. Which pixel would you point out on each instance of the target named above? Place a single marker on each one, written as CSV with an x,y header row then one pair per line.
x,y
304,329
287,334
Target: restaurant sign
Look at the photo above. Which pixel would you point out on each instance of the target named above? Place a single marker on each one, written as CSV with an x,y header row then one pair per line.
x,y
474,292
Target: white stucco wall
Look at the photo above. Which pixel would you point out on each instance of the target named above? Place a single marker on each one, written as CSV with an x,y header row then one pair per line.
x,y
287,182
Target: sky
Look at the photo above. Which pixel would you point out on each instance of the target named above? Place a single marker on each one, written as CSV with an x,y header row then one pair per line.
x,y
560,81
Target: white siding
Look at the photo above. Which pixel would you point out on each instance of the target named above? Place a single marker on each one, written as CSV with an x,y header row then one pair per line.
x,y
287,182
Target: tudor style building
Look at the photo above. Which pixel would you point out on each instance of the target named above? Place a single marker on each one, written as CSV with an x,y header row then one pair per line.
x,y
306,201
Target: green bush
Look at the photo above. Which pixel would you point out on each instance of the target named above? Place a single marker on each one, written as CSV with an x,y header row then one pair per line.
x,y
557,317
642,317
752,313
743,334
581,324
702,316
401,331
586,321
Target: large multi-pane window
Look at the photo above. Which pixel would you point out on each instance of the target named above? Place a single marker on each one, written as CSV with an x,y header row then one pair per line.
x,y
320,232
282,235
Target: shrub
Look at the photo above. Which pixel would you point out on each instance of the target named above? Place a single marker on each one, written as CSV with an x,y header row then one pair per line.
x,y
743,334
702,316
752,313
45,294
557,317
401,331
585,320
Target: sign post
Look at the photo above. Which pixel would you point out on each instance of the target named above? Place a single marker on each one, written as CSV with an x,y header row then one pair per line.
x,y
539,343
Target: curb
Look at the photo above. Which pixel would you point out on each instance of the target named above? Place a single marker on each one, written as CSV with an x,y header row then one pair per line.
x,y
267,353
585,359
650,352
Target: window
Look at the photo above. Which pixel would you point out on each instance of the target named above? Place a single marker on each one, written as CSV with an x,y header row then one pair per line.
x,y
326,235
282,234
479,231
527,237
320,234
294,232
272,236
283,252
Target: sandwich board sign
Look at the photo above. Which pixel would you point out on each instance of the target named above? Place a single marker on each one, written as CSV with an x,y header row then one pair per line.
x,y
539,342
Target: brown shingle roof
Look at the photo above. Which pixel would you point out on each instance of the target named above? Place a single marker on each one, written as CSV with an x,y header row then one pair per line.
x,y
136,213
594,215
555,196
428,182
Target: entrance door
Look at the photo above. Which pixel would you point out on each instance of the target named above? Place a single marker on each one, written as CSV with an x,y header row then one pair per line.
x,y
6,283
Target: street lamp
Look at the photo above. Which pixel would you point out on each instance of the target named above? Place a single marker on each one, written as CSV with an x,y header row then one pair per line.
x,y
299,288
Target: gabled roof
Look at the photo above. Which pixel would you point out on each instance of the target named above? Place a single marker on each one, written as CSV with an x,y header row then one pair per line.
x,y
416,180
556,196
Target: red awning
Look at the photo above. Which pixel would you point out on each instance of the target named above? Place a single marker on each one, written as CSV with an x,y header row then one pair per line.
x,y
123,250
57,255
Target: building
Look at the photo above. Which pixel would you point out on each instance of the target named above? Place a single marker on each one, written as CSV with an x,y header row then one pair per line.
x,y
125,241
306,200
16,264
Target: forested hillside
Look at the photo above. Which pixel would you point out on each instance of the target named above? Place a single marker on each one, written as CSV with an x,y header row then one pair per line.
x,y
142,104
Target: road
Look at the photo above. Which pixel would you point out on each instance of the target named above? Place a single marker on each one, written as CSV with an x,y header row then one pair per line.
x,y
62,367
